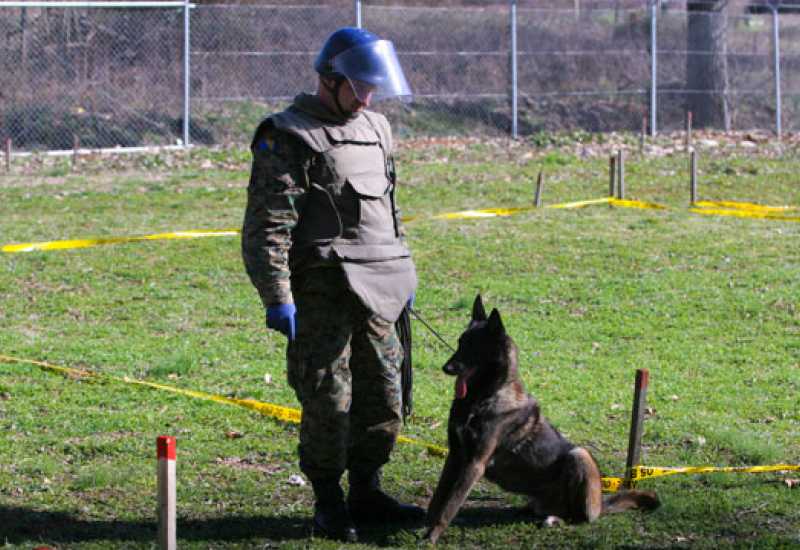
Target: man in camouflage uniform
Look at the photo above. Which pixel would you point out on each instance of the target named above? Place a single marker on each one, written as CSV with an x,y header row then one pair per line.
x,y
323,246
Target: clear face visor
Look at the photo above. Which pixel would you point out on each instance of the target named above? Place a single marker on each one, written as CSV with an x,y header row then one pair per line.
x,y
373,71
364,91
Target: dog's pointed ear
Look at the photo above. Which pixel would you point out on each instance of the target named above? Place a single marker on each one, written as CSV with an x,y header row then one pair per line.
x,y
496,323
478,311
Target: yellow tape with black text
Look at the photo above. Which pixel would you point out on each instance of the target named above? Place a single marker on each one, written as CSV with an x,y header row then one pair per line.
x,y
286,414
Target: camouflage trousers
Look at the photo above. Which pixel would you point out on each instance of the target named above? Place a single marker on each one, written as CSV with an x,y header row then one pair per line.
x,y
344,366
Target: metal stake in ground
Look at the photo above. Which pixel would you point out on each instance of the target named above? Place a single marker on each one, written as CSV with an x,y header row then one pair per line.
x,y
637,421
165,451
537,201
8,154
620,175
612,176
693,180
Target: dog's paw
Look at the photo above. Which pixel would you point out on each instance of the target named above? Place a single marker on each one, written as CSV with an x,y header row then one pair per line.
x,y
430,537
553,521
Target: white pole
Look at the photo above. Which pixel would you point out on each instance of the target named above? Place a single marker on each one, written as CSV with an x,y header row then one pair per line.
x,y
187,74
165,451
358,14
776,37
653,65
514,97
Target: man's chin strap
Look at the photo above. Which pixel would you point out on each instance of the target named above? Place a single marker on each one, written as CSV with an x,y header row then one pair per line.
x,y
334,90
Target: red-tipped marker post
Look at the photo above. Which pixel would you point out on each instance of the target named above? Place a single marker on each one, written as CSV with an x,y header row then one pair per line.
x,y
165,451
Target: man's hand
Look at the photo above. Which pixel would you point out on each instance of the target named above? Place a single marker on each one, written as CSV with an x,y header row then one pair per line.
x,y
280,317
410,303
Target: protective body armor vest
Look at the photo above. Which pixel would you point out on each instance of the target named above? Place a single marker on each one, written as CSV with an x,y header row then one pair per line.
x,y
351,219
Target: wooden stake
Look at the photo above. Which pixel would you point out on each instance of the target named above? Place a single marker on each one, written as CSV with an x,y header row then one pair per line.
x,y
8,154
688,130
693,180
165,451
620,175
612,176
637,422
539,187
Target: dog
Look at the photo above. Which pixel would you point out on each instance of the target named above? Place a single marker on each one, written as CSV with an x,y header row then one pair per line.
x,y
497,430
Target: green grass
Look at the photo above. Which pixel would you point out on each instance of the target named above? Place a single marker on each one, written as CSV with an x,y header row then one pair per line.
x,y
708,304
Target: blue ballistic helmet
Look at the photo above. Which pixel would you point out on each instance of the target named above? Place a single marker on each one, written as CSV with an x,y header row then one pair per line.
x,y
367,62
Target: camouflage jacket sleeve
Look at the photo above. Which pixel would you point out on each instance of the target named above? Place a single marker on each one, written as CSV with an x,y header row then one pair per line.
x,y
277,179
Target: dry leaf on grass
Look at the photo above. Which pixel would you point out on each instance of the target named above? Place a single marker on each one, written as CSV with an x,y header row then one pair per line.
x,y
792,483
233,434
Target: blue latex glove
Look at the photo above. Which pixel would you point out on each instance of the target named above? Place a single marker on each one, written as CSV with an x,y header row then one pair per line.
x,y
410,303
281,318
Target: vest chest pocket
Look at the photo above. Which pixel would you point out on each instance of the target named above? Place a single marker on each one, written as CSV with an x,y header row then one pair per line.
x,y
371,199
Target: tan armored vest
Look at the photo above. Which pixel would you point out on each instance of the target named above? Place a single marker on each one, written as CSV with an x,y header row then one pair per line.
x,y
352,218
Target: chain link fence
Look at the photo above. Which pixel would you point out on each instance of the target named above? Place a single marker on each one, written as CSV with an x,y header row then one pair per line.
x,y
120,75
103,77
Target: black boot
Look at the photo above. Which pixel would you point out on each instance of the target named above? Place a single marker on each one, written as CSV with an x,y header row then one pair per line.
x,y
369,504
331,518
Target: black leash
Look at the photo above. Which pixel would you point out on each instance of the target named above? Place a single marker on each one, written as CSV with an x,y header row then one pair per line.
x,y
430,328
403,326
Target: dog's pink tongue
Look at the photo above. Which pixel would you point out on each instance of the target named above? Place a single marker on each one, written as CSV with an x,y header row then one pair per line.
x,y
461,386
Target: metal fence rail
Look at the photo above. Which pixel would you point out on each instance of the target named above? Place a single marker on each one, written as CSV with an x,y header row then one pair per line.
x,y
121,74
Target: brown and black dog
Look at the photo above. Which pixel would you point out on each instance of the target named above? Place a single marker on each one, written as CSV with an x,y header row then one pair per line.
x,y
496,430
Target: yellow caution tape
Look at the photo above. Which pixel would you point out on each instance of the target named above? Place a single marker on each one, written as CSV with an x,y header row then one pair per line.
x,y
611,484
744,206
639,473
628,203
483,213
714,208
744,214
86,243
286,414
580,204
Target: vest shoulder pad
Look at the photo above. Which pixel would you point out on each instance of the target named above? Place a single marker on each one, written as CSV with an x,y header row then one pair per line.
x,y
307,128
381,125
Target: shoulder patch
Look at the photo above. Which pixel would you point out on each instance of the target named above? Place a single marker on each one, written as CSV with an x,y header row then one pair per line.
x,y
267,144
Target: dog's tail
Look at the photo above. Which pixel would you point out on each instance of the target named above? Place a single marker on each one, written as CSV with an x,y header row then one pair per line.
x,y
630,500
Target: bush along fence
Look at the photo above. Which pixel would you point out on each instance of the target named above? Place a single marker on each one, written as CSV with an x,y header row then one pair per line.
x,y
111,74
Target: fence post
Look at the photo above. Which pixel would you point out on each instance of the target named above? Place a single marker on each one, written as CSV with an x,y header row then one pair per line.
x,y
653,65
8,154
513,61
358,13
186,71
776,48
